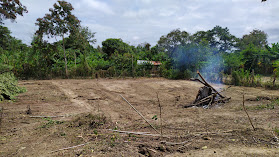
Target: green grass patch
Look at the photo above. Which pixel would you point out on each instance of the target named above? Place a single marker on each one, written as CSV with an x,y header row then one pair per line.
x,y
50,122
269,106
276,130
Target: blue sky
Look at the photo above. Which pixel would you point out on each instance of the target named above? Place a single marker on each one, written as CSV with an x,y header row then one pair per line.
x,y
139,21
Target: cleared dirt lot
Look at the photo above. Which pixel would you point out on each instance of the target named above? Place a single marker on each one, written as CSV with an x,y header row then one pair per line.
x,y
86,109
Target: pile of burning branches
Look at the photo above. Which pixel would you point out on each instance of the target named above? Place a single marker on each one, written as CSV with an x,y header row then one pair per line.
x,y
207,95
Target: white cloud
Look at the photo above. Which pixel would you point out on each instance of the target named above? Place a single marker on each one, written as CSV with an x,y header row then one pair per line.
x,y
97,5
139,21
136,38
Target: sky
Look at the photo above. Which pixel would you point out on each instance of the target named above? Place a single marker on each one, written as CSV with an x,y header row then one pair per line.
x,y
139,21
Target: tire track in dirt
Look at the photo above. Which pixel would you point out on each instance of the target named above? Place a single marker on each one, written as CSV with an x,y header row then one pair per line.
x,y
111,103
72,97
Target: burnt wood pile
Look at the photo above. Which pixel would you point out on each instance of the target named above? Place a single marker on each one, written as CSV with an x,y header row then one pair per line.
x,y
207,95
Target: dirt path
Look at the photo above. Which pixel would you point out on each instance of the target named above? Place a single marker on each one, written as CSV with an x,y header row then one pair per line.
x,y
73,96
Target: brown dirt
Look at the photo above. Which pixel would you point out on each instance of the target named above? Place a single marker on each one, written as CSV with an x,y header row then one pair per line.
x,y
87,109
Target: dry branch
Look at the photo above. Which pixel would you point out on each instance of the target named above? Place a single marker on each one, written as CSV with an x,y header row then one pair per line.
x,y
45,116
192,79
137,133
160,113
244,108
174,143
139,113
70,147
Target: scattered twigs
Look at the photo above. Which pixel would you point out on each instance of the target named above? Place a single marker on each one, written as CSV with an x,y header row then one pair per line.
x,y
139,113
209,99
244,108
160,113
70,147
209,85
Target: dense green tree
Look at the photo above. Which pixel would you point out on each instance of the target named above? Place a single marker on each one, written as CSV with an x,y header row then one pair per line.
x,y
5,37
9,9
80,41
257,37
111,46
60,22
173,40
218,38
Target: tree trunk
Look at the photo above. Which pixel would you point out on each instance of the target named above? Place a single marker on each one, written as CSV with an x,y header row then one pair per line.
x,y
65,58
75,60
274,79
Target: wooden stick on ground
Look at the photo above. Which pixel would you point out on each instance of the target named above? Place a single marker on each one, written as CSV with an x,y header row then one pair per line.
x,y
130,132
45,116
137,133
139,113
174,143
244,108
70,147
160,113
209,85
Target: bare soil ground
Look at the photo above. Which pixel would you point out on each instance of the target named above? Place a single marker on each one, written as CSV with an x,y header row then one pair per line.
x,y
86,110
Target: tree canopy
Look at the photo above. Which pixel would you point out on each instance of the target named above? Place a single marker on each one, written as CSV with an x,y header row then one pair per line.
x,y
59,22
9,9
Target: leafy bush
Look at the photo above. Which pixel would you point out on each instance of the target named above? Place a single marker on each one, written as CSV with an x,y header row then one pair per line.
x,y
91,121
5,68
8,86
271,85
245,78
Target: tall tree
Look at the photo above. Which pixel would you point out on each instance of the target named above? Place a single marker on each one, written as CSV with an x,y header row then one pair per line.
x,y
173,40
81,39
4,37
218,37
9,9
110,46
257,37
60,22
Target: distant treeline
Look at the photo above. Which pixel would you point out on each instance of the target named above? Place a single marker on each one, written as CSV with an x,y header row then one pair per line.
x,y
214,52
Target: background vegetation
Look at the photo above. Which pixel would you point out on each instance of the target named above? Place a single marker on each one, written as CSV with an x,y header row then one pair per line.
x,y
216,52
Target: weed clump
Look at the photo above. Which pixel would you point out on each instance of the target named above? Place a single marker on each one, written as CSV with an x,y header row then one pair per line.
x,y
50,122
91,121
271,85
269,106
8,86
245,78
